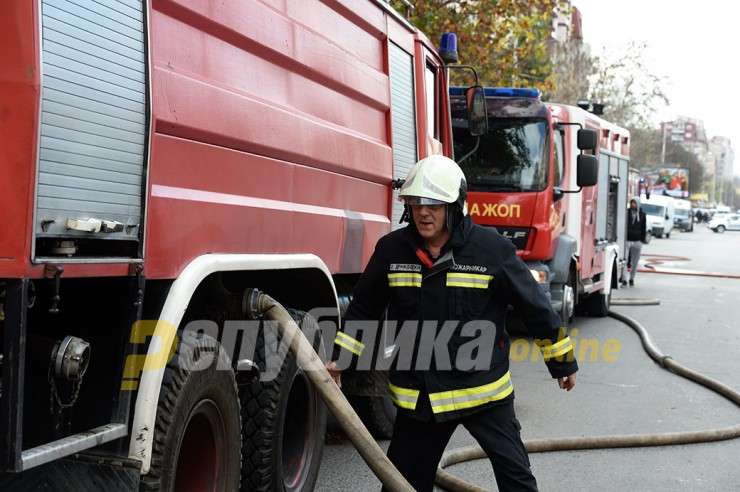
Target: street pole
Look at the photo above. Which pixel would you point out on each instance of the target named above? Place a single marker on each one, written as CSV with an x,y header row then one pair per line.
x,y
662,152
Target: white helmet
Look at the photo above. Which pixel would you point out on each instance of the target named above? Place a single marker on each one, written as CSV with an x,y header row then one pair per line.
x,y
434,180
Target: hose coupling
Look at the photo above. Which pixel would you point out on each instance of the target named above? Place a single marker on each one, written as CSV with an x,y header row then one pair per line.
x,y
251,304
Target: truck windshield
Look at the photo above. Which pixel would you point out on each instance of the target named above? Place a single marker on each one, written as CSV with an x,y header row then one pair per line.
x,y
651,209
510,157
682,212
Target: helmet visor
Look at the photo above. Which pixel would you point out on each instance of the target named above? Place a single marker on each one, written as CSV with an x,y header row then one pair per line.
x,y
420,200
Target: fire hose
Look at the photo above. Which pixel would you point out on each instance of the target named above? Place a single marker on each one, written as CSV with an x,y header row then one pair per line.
x,y
394,481
450,482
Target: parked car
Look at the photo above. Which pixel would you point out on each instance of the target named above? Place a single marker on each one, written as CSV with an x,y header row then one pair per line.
x,y
684,218
725,222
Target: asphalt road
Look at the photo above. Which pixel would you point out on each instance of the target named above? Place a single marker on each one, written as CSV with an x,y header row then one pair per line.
x,y
696,323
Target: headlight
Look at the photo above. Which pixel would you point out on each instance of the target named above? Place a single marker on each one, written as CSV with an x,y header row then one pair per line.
x,y
539,275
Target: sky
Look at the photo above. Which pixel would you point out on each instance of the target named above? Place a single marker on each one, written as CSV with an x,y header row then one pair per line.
x,y
695,45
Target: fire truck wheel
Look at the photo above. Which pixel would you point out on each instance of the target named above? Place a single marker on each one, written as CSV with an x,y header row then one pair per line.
x,y
598,304
197,444
284,419
377,413
570,299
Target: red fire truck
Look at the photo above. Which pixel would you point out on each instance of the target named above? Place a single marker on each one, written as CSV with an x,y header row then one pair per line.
x,y
528,177
159,159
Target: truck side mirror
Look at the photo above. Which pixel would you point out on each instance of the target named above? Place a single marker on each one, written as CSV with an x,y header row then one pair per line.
x,y
587,139
587,171
477,113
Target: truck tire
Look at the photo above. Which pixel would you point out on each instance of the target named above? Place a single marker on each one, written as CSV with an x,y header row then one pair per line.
x,y
196,442
570,298
377,413
284,422
599,303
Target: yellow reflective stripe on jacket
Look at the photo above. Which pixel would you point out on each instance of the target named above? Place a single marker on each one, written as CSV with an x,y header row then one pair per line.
x,y
557,349
349,343
448,401
470,280
404,398
405,279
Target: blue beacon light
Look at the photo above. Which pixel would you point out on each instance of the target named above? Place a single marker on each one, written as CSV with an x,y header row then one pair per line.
x,y
512,92
448,47
501,92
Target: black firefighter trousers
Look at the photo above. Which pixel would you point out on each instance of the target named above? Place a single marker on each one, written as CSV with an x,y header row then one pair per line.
x,y
416,447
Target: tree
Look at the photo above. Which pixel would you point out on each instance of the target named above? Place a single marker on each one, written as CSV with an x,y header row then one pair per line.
x,y
506,40
646,147
630,91
572,67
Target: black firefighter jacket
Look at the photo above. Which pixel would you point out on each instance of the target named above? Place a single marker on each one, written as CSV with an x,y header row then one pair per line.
x,y
460,302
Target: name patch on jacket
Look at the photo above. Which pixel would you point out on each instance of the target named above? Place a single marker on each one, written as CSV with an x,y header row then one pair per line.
x,y
405,267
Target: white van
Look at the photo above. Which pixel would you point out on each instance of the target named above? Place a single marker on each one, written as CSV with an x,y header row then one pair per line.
x,y
660,212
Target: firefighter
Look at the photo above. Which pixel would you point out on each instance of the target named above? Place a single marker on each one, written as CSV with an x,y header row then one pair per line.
x,y
460,277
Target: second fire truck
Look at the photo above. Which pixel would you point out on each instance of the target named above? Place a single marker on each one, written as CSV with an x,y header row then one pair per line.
x,y
553,178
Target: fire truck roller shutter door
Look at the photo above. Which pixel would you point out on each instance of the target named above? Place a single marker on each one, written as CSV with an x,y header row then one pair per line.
x,y
403,121
93,131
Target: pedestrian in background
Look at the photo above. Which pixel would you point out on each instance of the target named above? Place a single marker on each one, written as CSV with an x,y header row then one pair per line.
x,y
636,235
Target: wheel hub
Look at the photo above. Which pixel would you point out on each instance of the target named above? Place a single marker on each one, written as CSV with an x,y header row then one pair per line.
x,y
201,460
568,303
297,433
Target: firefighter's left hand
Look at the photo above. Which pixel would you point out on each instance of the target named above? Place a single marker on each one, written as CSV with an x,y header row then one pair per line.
x,y
334,372
568,382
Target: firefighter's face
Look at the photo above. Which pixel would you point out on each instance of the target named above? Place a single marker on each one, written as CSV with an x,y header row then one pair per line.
x,y
430,221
